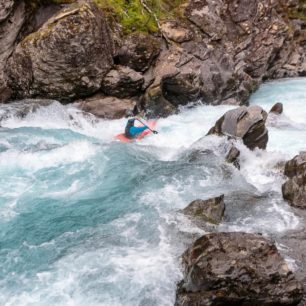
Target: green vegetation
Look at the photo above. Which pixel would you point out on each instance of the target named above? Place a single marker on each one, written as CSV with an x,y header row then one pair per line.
x,y
299,12
133,16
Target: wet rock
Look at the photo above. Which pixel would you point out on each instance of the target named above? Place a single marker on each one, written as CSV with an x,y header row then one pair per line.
x,y
246,123
277,108
66,58
174,31
236,269
294,190
122,82
12,18
138,51
211,210
107,107
232,157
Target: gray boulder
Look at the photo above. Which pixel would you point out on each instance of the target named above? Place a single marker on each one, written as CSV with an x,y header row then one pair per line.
x,y
246,123
236,269
202,211
66,58
122,82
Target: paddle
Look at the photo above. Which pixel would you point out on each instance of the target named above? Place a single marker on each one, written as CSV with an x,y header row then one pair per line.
x,y
153,131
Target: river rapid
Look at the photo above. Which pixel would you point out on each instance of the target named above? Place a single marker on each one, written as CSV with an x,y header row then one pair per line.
x,y
86,220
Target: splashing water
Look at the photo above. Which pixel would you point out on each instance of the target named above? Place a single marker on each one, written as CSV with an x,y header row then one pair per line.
x,y
87,220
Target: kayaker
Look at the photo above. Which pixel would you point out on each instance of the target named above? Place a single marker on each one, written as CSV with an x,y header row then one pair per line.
x,y
132,131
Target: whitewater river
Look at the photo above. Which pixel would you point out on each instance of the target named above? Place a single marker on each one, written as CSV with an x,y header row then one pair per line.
x,y
85,220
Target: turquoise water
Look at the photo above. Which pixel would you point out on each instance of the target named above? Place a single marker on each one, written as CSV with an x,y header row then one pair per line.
x,y
87,220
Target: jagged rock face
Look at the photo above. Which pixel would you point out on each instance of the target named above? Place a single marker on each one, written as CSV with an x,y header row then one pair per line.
x,y
107,107
211,210
12,18
235,45
122,82
138,51
67,58
236,269
246,123
294,190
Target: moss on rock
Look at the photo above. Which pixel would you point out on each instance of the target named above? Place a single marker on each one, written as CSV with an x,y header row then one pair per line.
x,y
134,17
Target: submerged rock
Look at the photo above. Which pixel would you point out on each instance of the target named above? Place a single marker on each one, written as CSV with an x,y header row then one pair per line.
x,y
294,190
246,123
107,107
277,108
66,58
236,269
211,210
232,156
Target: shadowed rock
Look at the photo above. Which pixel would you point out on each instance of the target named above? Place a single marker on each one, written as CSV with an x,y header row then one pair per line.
x,y
246,123
12,18
211,210
66,58
122,82
236,269
294,190
138,51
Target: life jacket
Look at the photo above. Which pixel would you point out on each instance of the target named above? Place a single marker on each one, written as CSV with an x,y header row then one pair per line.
x,y
129,124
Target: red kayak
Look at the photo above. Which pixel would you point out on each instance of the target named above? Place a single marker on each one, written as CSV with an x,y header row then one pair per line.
x,y
151,124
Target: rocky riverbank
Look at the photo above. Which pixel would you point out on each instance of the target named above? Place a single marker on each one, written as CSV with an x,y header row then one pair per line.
x,y
217,52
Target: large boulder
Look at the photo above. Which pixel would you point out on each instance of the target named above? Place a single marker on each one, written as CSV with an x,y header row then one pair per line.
x,y
246,123
66,58
107,107
294,190
236,269
122,82
210,210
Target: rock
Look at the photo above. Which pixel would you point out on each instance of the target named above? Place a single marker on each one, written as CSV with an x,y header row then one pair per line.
x,y
246,123
277,108
107,107
211,210
12,18
236,269
294,190
207,16
122,82
176,32
66,58
232,157
181,88
138,51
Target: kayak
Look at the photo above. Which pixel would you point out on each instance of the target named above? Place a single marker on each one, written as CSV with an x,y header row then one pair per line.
x,y
151,124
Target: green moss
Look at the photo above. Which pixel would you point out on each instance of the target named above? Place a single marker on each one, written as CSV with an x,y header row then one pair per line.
x,y
134,17
299,12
